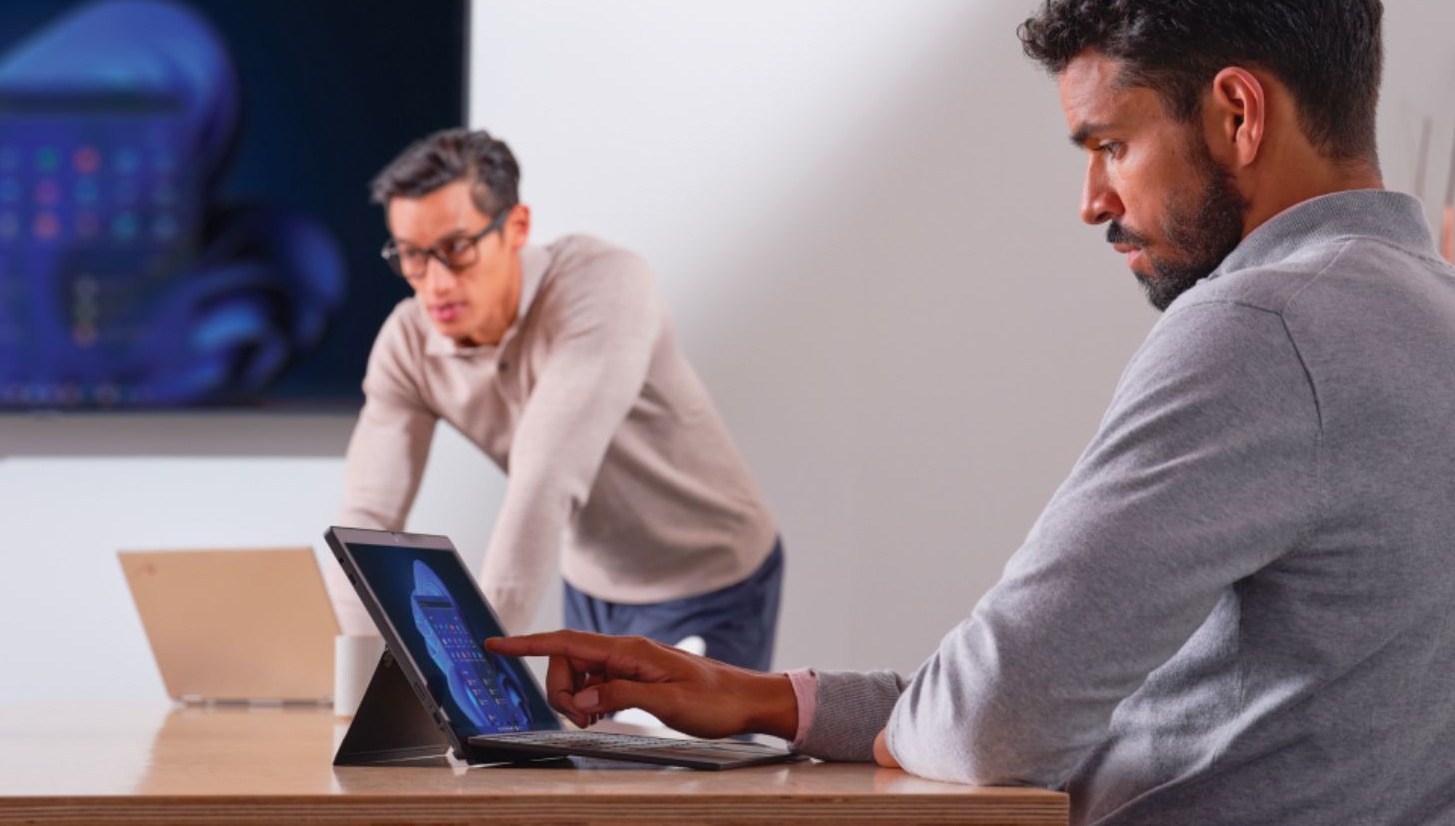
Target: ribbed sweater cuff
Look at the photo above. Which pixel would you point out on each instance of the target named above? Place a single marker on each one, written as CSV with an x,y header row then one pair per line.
x,y
850,709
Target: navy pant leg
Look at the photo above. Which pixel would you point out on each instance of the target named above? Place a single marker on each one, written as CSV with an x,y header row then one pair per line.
x,y
738,623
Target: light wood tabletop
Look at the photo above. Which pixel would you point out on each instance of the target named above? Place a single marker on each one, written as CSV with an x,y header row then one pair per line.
x,y
226,765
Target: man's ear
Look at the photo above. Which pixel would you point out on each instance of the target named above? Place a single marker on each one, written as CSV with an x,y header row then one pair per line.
x,y
1238,114
517,227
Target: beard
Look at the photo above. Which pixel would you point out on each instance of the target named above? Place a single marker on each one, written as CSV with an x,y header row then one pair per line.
x,y
1201,233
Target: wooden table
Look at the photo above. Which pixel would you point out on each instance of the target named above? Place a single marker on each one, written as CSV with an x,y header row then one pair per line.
x,y
165,765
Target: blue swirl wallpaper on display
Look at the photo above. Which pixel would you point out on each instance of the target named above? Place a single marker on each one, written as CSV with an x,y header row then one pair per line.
x,y
184,219
442,621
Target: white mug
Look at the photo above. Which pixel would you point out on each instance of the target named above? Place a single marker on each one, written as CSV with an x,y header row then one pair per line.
x,y
354,658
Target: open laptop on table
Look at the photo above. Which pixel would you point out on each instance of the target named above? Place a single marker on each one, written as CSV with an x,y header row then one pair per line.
x,y
488,708
236,626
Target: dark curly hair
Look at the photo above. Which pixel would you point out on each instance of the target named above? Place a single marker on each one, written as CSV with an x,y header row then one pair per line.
x,y
453,155
1327,52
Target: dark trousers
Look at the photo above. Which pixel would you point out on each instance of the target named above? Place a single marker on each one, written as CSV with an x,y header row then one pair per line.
x,y
738,623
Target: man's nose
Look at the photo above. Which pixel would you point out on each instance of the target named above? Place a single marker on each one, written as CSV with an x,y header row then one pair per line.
x,y
436,274
1099,201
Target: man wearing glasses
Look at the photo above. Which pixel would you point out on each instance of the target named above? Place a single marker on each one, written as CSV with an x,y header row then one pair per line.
x,y
561,363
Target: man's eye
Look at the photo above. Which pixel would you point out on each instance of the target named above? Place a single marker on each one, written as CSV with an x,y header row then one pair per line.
x,y
413,255
457,246
1111,148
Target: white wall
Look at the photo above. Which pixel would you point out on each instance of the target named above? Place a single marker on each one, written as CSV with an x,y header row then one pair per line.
x,y
863,216
1419,85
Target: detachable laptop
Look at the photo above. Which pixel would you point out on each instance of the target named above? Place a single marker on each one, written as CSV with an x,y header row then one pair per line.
x,y
487,708
236,626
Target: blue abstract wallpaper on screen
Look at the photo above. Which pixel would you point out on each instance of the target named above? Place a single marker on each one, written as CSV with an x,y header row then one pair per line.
x,y
442,621
183,194
489,696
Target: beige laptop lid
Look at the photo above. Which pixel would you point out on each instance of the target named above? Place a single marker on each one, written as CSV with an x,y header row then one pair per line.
x,y
236,625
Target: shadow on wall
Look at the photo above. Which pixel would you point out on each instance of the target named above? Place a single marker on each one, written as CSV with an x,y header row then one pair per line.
x,y
935,334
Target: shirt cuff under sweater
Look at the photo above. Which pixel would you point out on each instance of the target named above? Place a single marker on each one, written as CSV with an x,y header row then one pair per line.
x,y
805,689
840,712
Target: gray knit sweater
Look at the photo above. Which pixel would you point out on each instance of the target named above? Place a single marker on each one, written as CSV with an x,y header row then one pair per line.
x,y
1240,606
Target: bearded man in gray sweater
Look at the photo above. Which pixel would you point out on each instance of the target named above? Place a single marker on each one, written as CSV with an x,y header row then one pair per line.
x,y
1238,607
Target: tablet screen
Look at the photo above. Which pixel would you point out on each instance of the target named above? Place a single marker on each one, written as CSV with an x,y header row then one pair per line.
x,y
441,619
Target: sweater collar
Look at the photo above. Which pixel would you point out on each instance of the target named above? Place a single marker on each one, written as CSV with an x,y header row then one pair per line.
x,y
1392,217
533,264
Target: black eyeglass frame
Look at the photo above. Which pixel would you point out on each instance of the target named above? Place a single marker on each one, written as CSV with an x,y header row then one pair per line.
x,y
466,250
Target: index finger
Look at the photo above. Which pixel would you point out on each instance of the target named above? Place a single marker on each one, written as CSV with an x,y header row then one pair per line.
x,y
563,673
633,657
592,648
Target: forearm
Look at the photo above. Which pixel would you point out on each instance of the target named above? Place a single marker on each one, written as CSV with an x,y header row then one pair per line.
x,y
515,576
382,470
771,707
577,405
384,464
980,712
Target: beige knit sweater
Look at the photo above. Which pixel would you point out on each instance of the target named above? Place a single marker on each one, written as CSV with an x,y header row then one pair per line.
x,y
615,456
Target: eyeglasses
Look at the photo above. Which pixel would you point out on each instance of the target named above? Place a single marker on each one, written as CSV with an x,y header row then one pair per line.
x,y
455,253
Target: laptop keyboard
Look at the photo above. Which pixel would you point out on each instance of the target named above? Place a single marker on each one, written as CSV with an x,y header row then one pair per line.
x,y
623,742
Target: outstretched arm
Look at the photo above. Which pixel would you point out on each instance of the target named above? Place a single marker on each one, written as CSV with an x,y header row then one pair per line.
x,y
604,319
386,455
591,675
1205,472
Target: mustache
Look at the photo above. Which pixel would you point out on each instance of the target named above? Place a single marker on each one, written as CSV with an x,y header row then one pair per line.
x,y
1118,234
